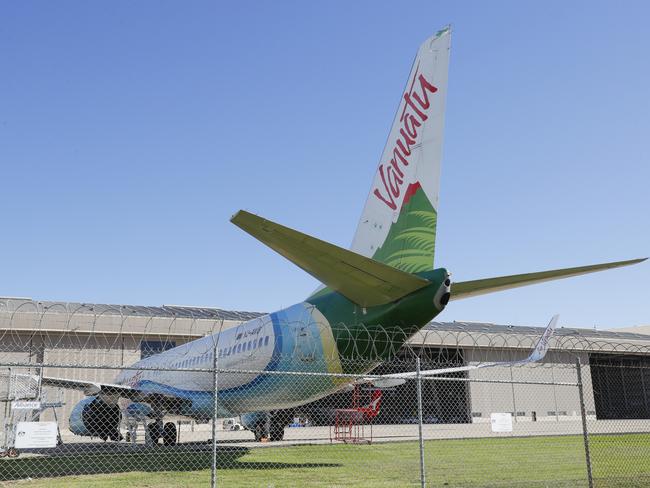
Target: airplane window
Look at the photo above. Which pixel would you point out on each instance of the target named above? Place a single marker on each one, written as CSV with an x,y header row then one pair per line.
x,y
239,347
259,343
266,341
248,346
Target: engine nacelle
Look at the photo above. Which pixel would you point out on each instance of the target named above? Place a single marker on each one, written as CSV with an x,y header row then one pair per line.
x,y
92,416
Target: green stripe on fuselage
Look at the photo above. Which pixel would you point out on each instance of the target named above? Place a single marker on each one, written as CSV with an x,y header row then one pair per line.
x,y
374,334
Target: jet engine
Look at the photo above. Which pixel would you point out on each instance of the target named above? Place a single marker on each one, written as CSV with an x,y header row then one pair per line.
x,y
92,416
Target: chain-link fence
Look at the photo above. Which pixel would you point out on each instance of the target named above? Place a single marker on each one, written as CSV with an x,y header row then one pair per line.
x,y
86,400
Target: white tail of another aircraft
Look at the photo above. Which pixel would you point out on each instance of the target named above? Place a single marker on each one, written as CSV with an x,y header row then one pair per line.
x,y
398,223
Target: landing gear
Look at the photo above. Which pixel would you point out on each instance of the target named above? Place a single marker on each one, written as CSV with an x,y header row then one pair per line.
x,y
154,431
277,433
169,434
271,432
259,432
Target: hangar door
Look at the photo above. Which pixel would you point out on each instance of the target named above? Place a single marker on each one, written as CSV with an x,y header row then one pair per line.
x,y
620,386
443,401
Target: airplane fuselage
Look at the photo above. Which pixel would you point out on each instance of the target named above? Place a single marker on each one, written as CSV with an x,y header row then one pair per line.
x,y
327,333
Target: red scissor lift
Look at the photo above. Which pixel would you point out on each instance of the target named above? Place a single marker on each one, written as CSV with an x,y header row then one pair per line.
x,y
354,425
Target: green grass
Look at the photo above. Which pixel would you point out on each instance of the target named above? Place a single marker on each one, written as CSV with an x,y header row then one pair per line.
x,y
618,461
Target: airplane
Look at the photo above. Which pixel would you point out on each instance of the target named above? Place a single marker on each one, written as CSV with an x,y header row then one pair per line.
x,y
374,297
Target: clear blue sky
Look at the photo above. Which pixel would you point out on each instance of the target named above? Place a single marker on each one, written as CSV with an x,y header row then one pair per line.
x,y
131,131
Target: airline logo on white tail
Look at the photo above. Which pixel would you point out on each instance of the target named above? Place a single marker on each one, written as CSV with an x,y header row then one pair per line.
x,y
413,113
411,158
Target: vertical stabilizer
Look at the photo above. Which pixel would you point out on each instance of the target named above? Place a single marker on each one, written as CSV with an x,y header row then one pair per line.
x,y
398,223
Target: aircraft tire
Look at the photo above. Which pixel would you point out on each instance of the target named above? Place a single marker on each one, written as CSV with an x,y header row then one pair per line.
x,y
169,434
154,432
277,434
259,433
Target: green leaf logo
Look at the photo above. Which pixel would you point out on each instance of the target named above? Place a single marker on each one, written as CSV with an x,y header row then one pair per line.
x,y
410,243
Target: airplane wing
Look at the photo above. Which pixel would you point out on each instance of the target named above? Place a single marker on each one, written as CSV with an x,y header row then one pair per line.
x,y
466,289
537,354
362,280
91,388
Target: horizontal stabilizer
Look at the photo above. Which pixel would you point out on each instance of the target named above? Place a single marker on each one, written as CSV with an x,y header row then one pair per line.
x,y
474,288
362,280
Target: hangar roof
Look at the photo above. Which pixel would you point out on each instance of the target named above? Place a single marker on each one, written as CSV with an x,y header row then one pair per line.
x,y
28,305
489,328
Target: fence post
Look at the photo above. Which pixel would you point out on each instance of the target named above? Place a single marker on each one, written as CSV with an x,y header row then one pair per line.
x,y
419,389
585,433
215,385
5,422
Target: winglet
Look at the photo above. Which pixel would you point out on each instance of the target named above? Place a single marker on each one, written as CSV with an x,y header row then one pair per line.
x,y
541,348
542,345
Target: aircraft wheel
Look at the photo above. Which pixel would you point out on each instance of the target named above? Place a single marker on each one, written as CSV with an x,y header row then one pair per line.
x,y
277,434
169,434
153,432
259,433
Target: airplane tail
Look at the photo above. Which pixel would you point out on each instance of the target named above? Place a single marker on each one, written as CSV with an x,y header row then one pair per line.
x,y
398,223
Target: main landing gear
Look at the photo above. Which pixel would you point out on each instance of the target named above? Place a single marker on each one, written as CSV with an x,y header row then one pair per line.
x,y
156,430
271,427
275,433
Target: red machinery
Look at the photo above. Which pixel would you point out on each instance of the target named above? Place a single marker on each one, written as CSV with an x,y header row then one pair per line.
x,y
350,423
